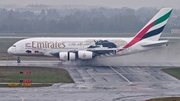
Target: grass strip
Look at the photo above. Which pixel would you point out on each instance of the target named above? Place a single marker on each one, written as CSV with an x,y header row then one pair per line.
x,y
175,72
42,75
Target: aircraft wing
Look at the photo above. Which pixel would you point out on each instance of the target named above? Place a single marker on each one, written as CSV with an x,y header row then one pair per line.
x,y
101,49
98,51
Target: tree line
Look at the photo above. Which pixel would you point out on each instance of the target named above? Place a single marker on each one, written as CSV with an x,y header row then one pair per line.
x,y
97,20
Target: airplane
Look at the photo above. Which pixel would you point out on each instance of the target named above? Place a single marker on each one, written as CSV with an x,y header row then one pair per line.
x,y
72,49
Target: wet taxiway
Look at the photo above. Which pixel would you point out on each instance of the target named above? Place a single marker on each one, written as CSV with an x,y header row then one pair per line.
x,y
99,83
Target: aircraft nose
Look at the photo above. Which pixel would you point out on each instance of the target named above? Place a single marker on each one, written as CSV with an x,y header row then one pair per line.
x,y
9,50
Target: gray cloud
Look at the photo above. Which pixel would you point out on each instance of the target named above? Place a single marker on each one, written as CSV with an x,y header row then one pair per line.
x,y
106,3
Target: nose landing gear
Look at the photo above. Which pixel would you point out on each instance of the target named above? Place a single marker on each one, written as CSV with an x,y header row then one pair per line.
x,y
18,60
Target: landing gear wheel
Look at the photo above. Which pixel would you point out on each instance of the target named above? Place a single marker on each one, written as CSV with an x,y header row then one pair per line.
x,y
18,60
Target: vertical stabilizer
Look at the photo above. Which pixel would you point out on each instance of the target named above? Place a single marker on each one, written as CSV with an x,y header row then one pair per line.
x,y
153,29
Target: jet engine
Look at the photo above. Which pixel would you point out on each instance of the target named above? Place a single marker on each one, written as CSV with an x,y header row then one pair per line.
x,y
66,56
85,55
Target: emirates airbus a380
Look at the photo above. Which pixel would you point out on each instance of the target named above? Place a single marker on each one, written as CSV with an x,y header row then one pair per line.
x,y
69,49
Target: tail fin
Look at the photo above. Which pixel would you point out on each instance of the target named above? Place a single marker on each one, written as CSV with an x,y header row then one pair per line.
x,y
153,29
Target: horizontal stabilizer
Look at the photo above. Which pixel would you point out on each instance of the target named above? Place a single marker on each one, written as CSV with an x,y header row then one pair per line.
x,y
157,43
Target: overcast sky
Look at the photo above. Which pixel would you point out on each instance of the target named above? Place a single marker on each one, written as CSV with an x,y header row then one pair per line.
x,y
106,3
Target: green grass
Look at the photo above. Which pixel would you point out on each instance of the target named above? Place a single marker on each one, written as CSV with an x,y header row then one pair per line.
x,y
32,85
173,72
166,99
12,74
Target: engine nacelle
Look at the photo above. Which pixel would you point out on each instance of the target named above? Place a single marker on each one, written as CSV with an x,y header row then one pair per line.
x,y
66,56
85,54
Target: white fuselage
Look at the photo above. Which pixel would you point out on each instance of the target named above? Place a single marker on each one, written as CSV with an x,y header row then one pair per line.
x,y
46,46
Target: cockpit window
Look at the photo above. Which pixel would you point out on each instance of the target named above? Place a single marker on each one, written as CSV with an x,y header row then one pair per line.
x,y
14,46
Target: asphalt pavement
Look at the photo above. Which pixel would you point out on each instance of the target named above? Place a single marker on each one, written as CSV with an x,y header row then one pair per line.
x,y
98,83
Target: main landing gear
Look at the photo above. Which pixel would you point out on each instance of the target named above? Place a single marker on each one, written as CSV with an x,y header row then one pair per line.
x,y
18,60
